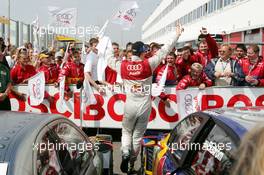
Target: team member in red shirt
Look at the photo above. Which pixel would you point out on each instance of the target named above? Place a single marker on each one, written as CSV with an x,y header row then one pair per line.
x,y
253,67
73,72
207,48
196,78
184,63
22,71
50,70
240,52
178,53
110,74
172,74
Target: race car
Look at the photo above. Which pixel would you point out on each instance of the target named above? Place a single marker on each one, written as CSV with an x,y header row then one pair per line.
x,y
203,143
45,144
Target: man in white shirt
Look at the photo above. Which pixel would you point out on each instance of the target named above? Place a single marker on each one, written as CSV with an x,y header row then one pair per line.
x,y
225,71
90,68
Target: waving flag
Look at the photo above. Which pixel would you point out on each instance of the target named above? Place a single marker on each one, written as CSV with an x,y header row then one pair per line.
x,y
102,31
88,97
83,56
62,17
104,42
35,25
62,87
66,56
126,14
36,87
3,167
157,88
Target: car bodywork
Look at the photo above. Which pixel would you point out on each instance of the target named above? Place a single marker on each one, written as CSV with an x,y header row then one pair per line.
x,y
21,135
162,154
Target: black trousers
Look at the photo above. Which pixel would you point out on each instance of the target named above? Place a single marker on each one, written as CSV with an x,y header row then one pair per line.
x,y
5,105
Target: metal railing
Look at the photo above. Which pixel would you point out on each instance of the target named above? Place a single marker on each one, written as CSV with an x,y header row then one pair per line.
x,y
21,33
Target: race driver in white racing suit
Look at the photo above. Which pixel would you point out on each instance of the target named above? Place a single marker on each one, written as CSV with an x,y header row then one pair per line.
x,y
137,78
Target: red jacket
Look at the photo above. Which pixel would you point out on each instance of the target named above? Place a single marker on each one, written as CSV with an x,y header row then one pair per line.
x,y
256,71
172,75
51,73
110,75
19,74
204,59
73,72
184,67
187,81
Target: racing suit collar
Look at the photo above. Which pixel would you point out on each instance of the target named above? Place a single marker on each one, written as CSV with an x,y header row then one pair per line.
x,y
135,58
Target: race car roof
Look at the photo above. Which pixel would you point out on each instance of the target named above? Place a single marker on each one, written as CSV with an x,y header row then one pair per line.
x,y
248,117
18,131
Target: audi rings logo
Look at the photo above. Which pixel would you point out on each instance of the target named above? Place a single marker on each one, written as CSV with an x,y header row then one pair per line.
x,y
188,103
131,12
36,89
64,16
136,67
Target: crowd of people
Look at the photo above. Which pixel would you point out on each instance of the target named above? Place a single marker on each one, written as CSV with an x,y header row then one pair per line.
x,y
137,65
210,65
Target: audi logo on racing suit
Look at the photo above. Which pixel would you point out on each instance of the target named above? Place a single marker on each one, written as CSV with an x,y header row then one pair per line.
x,y
136,67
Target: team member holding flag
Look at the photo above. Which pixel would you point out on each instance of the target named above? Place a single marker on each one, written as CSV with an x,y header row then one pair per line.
x,y
90,68
50,71
137,78
73,71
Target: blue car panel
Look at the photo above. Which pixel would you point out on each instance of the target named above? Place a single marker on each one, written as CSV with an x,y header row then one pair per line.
x,y
224,127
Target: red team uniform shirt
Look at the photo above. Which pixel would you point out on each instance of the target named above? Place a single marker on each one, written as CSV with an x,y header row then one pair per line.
x,y
172,74
110,75
187,81
19,74
256,71
51,73
73,72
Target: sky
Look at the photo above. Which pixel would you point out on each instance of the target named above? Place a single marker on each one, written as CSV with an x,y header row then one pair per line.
x,y
90,13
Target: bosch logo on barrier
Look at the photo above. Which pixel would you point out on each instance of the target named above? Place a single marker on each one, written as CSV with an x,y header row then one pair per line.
x,y
64,16
188,104
136,67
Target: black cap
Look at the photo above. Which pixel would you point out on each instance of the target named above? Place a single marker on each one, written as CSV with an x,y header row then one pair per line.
x,y
139,47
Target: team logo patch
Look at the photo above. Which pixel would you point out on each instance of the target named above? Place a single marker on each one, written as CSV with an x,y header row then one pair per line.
x,y
136,67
